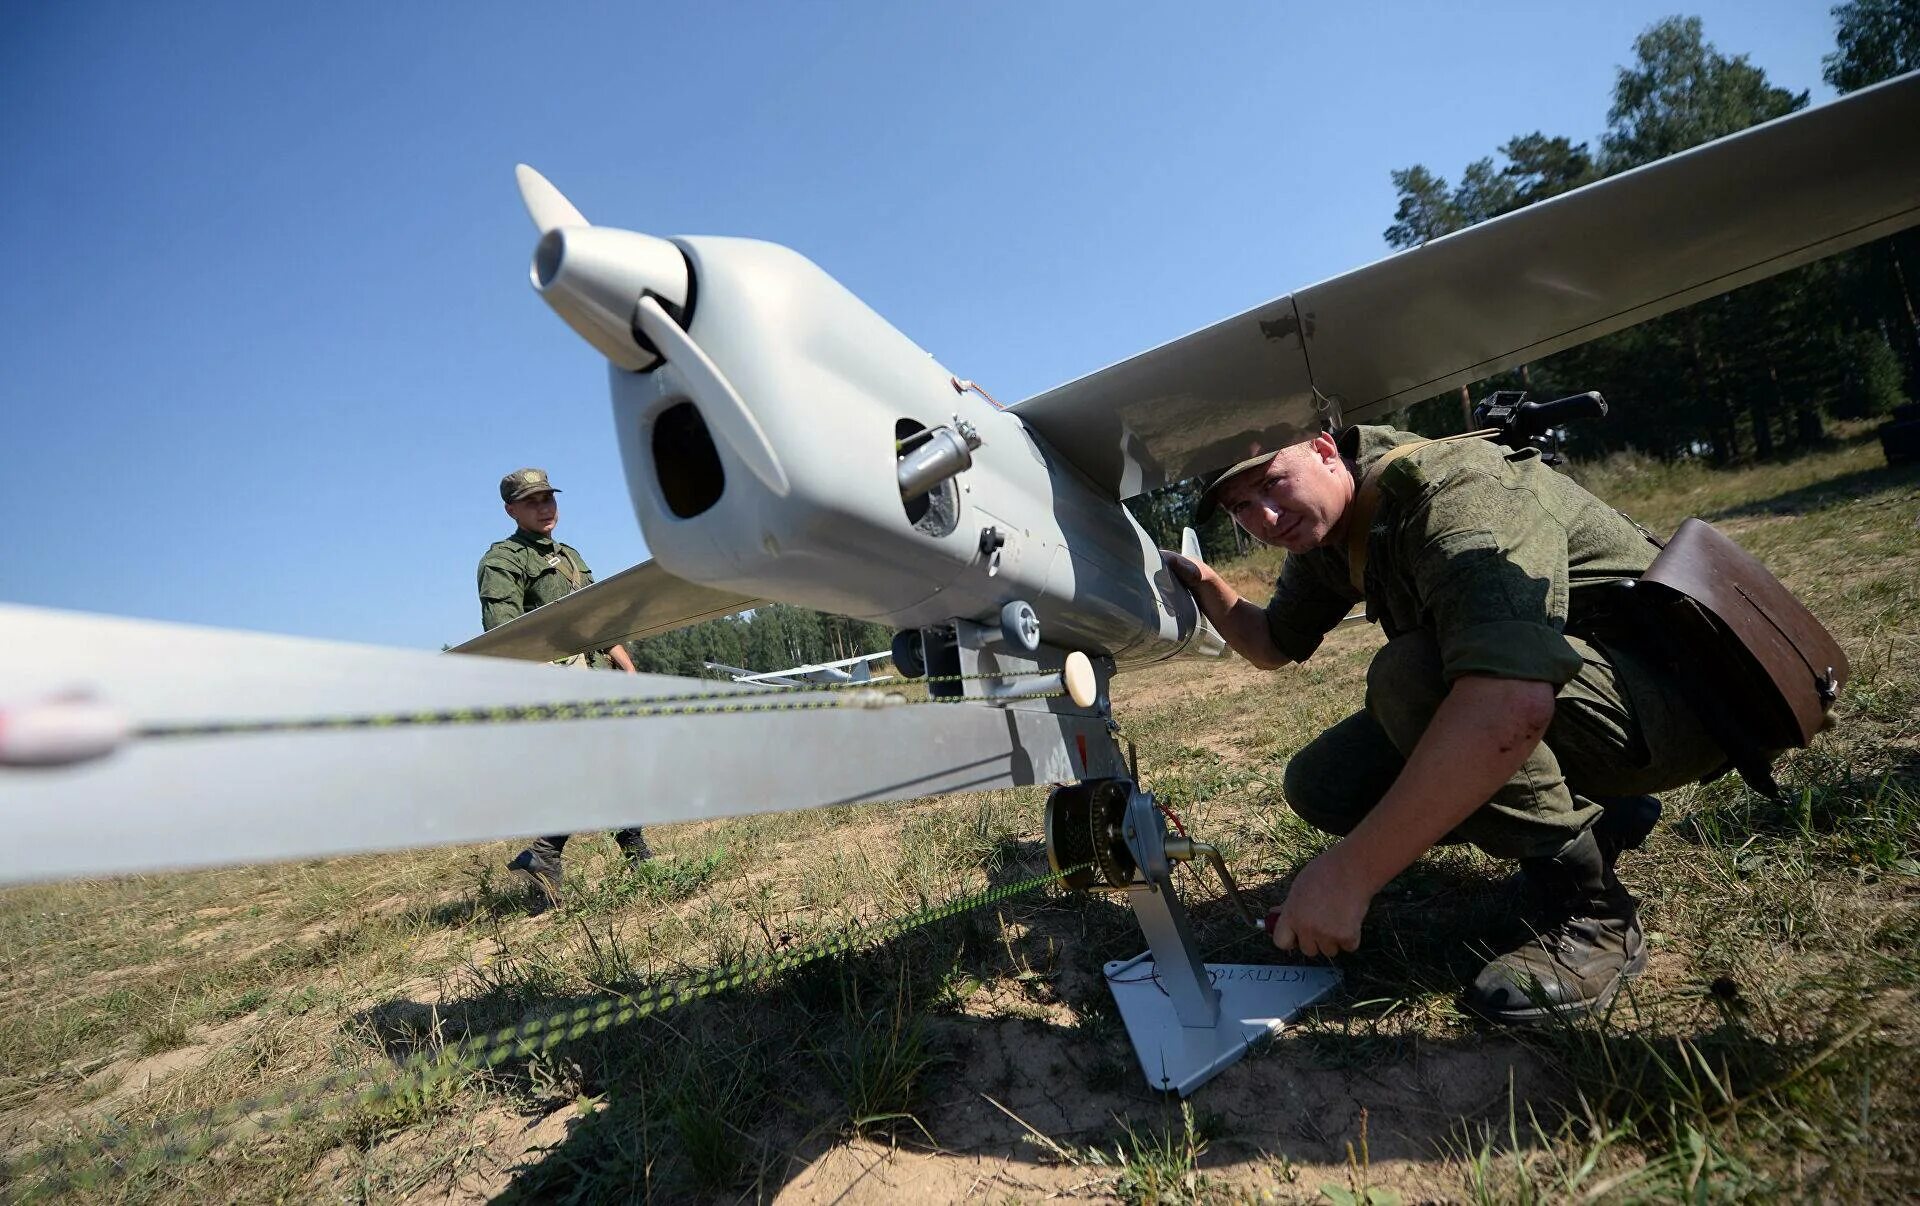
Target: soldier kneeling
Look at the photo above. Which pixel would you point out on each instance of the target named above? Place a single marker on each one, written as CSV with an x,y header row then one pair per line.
x,y
1504,709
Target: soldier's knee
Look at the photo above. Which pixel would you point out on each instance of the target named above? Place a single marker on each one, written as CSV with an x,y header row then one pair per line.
x,y
1311,784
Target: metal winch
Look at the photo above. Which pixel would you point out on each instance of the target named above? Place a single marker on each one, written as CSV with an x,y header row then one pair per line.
x,y
1188,1019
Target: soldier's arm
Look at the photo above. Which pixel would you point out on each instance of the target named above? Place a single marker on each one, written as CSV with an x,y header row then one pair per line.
x,y
502,592
1242,622
1482,732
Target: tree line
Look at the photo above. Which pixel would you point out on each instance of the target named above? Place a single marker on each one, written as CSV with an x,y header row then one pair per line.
x,y
773,636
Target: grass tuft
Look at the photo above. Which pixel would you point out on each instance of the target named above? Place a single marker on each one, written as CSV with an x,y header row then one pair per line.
x,y
879,1062
1157,1165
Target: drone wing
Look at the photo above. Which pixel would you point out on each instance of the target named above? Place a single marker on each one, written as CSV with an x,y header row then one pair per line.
x,y
642,601
1514,289
860,659
212,747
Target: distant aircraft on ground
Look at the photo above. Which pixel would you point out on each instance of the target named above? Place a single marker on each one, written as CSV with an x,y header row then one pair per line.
x,y
847,670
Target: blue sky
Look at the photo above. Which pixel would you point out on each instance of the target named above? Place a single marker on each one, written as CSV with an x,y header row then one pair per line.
x,y
268,341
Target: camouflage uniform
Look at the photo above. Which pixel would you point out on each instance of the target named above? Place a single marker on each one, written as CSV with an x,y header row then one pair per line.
x,y
516,575
525,571
1484,561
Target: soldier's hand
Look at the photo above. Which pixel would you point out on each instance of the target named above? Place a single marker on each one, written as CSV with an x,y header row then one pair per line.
x,y
1322,912
1190,571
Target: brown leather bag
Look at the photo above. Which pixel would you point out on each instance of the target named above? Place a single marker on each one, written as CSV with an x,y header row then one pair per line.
x,y
1763,672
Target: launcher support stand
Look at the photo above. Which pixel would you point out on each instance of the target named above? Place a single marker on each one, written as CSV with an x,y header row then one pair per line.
x,y
1188,1019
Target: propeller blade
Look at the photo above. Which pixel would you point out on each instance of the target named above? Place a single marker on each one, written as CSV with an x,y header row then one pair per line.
x,y
546,205
722,408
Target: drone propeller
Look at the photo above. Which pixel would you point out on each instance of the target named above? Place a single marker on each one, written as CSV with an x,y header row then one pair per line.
x,y
626,293
546,205
721,406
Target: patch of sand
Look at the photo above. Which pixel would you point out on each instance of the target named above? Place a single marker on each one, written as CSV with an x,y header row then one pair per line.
x,y
1289,1124
131,1078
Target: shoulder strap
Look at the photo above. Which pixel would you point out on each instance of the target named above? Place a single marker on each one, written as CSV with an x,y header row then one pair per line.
x,y
1366,500
568,568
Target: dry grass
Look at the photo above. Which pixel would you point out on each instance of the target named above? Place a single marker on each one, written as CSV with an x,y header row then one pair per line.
x,y
1769,1052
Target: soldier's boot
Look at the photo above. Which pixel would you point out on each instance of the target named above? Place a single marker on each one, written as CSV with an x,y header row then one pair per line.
x,y
543,863
1625,822
1588,940
633,844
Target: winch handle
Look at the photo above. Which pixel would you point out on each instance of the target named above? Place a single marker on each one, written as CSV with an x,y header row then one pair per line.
x,y
1185,849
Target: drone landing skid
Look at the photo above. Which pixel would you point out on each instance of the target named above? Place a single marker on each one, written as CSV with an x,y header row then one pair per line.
x,y
1188,1019
1239,1003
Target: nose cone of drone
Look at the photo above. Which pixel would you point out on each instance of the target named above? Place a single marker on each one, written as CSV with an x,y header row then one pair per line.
x,y
594,276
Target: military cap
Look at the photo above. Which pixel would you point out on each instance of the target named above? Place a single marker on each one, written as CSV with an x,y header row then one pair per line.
x,y
522,482
1210,497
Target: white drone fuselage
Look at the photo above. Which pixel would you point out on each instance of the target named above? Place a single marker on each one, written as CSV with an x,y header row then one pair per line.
x,y
830,390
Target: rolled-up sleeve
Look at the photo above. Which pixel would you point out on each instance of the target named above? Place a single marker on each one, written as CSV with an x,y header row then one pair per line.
x,y
1490,567
1304,608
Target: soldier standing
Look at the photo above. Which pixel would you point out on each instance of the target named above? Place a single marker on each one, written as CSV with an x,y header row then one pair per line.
x,y
518,574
